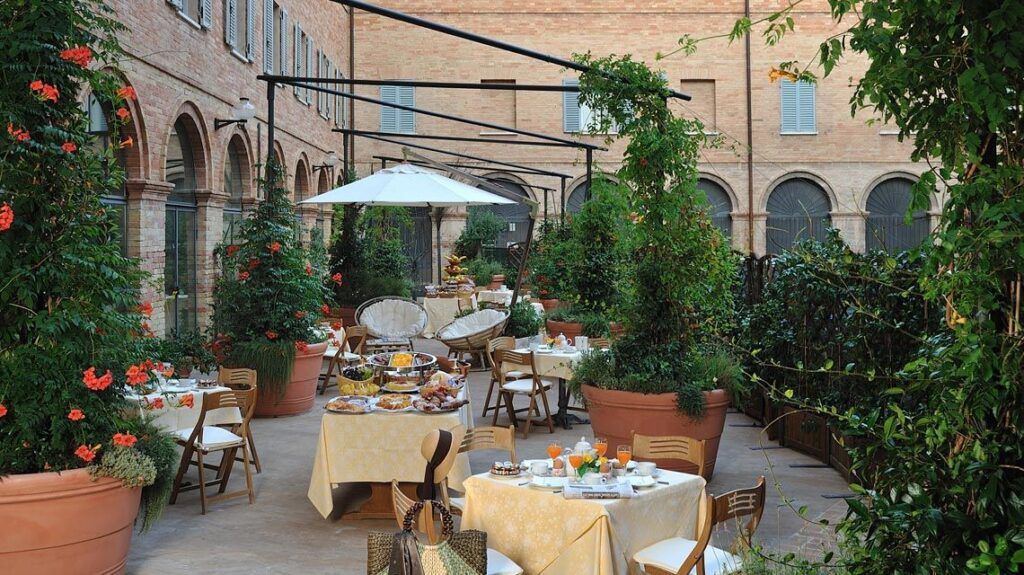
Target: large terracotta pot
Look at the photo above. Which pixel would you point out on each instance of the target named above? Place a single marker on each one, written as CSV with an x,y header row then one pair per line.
x,y
616,415
65,523
298,396
570,330
496,281
550,304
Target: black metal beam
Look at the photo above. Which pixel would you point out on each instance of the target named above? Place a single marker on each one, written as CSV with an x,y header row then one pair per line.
x,y
497,127
469,167
430,84
537,171
445,29
454,138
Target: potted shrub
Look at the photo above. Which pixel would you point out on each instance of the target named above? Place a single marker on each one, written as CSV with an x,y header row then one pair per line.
x,y
187,352
665,376
486,272
75,466
482,229
523,320
552,249
268,301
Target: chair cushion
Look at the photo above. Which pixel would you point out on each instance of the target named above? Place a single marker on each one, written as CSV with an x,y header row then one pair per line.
x,y
524,385
475,323
670,554
458,503
214,438
514,374
498,564
394,318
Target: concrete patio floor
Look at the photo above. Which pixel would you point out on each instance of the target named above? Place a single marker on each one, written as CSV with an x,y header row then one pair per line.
x,y
283,533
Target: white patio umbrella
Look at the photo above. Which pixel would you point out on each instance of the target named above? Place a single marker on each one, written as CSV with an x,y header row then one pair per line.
x,y
410,186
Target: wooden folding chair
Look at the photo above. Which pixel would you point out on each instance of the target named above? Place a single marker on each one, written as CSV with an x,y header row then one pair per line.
x,y
205,439
241,378
478,438
493,345
599,343
532,386
336,363
355,339
677,447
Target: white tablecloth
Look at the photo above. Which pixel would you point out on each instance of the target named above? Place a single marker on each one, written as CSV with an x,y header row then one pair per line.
x,y
173,411
441,311
547,534
502,297
556,364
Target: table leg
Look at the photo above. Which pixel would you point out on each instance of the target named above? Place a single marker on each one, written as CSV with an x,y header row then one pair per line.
x,y
563,417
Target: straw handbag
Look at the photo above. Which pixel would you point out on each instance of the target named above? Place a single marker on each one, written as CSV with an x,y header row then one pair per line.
x,y
462,553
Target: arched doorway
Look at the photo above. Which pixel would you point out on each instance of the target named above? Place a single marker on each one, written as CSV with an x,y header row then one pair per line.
x,y
180,229
516,216
100,116
301,192
886,228
719,205
237,178
574,201
798,209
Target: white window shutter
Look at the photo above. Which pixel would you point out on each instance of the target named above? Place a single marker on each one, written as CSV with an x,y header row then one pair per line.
x,y
319,74
175,3
283,48
298,58
570,108
788,106
206,18
268,36
406,118
250,47
309,66
805,107
389,115
328,100
230,31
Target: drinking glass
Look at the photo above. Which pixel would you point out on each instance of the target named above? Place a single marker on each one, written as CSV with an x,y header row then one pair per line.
x,y
554,449
575,459
624,453
601,446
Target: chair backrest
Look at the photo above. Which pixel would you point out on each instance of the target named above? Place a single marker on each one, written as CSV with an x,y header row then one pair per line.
x,y
670,447
236,376
242,398
355,338
493,345
741,503
332,364
599,343
490,438
401,503
511,360
392,317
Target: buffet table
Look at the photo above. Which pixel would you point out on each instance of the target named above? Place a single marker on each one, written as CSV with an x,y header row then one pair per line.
x,y
547,534
376,448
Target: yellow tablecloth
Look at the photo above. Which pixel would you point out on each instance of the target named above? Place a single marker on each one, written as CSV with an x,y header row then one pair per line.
x,y
378,447
440,312
545,533
172,411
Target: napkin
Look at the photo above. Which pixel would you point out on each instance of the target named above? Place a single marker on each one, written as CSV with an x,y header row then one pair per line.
x,y
608,491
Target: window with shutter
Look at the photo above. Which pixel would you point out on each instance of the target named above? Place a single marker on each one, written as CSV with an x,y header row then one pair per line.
x,y
797,102
309,67
250,30
299,55
269,36
407,118
389,115
230,18
327,97
570,108
206,15
283,46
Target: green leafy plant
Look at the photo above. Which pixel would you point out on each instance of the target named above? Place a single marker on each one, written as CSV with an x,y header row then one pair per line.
x,y
595,323
600,232
367,252
523,320
552,252
482,270
270,296
187,351
73,334
482,229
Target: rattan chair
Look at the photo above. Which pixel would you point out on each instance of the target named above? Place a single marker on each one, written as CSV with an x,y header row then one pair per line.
x,y
532,386
241,378
203,439
676,447
391,322
470,333
679,556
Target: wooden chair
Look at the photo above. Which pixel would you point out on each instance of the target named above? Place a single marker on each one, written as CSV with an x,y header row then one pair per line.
x,y
497,563
336,363
678,556
599,343
355,339
493,345
477,438
205,439
675,447
531,386
241,378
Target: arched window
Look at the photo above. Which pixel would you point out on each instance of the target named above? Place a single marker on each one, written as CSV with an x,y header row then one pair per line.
x,y
798,209
180,230
578,195
99,114
236,182
301,193
719,205
886,229
516,216
323,186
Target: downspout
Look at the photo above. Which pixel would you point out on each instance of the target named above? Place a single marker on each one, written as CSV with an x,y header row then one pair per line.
x,y
750,140
351,140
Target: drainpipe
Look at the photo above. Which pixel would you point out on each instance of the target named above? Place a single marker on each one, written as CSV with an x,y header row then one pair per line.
x,y
351,140
750,141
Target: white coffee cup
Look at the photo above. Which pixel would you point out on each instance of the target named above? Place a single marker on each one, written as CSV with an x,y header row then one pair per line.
x,y
593,479
539,468
645,468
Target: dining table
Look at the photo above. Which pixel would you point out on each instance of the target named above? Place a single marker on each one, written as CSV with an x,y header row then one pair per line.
x,y
547,534
174,407
560,365
376,448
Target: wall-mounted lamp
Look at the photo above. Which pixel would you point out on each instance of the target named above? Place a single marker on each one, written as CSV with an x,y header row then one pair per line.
x,y
241,113
330,160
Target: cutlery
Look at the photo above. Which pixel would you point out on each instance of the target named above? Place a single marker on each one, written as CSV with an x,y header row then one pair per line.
x,y
664,482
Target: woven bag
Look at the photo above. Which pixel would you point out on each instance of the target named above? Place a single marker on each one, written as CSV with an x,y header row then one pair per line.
x,y
461,553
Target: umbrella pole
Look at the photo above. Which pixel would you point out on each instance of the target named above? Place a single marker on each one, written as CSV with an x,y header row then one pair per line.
x,y
438,212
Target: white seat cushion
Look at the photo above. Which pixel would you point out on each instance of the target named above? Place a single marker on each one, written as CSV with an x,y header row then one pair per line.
x,y
472,324
214,438
458,503
393,318
515,374
498,564
670,554
524,385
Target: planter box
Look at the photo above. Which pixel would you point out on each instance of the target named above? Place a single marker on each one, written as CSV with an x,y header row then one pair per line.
x,y
65,523
839,457
804,432
301,390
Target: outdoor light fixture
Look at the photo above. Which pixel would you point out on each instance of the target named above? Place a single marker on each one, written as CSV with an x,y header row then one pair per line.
x,y
330,160
241,113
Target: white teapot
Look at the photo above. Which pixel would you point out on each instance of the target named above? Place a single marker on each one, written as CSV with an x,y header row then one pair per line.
x,y
582,446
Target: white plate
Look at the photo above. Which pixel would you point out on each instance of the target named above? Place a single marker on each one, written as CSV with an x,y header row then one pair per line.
x,y
175,388
641,480
377,409
548,483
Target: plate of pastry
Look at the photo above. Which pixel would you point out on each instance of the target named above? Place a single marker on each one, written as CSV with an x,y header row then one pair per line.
x,y
393,402
349,404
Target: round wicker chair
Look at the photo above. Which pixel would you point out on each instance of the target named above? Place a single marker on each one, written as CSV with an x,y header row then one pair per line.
x,y
391,322
470,333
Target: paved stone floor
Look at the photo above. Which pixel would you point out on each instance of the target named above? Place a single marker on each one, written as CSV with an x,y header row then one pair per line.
x,y
283,533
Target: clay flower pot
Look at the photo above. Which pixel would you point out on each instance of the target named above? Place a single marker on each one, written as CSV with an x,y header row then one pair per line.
x,y
616,415
569,329
65,523
301,391
496,281
550,304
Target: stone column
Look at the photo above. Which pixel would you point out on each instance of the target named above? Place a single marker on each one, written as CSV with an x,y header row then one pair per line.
x,y
760,234
147,201
210,220
308,214
851,226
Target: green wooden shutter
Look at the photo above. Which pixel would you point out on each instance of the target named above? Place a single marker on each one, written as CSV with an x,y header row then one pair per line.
x,y
250,26
570,107
283,48
309,67
805,107
788,106
268,36
299,55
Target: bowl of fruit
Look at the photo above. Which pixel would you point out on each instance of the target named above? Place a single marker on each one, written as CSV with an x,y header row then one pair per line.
x,y
357,380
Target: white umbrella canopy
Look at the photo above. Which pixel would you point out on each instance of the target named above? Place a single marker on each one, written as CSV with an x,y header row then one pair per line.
x,y
408,185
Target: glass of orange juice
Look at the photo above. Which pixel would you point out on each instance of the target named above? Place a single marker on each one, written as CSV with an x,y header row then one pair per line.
x,y
554,449
601,446
575,459
624,453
